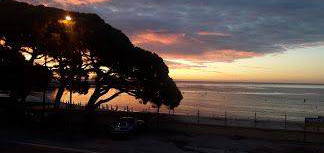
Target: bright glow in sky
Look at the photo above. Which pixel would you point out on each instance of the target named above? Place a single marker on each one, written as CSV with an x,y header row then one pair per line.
x,y
221,40
295,66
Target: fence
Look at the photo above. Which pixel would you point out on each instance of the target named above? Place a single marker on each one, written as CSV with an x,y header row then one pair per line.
x,y
256,119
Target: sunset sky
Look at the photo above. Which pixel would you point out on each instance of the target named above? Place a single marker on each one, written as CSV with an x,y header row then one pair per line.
x,y
221,40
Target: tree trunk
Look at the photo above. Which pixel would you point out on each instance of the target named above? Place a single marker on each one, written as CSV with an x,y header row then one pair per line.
x,y
58,96
90,119
94,97
158,117
90,111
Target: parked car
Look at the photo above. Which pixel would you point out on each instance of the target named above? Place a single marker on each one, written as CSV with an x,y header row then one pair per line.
x,y
126,126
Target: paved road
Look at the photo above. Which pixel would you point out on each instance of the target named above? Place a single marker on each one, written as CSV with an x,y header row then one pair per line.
x,y
26,147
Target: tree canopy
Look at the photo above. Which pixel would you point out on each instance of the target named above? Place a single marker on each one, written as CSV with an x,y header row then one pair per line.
x,y
19,77
83,49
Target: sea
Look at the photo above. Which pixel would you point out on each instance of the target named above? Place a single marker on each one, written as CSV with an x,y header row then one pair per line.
x,y
266,101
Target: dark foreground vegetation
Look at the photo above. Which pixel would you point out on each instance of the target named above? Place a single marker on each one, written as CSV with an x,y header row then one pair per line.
x,y
41,45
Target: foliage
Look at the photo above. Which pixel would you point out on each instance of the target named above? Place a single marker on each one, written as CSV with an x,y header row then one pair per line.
x,y
19,77
84,47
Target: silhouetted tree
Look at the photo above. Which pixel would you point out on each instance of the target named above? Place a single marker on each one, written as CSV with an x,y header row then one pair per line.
x,y
20,77
38,32
141,74
155,84
87,45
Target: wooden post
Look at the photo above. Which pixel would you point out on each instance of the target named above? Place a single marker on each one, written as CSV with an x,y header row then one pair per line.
x,y
158,117
255,119
198,115
285,120
304,137
44,92
44,99
225,116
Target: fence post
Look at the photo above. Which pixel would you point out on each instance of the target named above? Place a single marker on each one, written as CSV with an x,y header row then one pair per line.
x,y
255,119
304,137
198,115
285,120
225,115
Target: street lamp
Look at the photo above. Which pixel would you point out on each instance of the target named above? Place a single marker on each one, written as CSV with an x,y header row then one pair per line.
x,y
2,42
68,18
68,24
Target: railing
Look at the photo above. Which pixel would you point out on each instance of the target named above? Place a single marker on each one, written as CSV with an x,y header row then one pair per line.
x,y
254,119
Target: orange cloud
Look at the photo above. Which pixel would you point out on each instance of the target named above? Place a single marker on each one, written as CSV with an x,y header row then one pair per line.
x,y
230,55
206,33
227,55
151,37
80,2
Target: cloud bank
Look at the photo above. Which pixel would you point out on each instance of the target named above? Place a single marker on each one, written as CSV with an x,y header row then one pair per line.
x,y
211,30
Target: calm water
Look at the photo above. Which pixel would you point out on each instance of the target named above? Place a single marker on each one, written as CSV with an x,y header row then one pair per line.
x,y
239,100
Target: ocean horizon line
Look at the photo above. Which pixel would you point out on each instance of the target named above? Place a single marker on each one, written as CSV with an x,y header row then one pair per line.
x,y
233,82
247,82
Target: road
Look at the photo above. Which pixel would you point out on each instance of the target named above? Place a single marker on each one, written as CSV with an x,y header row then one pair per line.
x,y
27,147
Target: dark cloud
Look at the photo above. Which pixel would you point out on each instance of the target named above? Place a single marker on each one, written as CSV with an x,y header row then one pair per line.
x,y
200,26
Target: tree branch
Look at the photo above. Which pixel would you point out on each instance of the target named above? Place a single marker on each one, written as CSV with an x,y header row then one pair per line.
x,y
108,99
